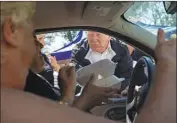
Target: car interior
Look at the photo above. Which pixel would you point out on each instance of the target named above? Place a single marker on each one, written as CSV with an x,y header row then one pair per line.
x,y
108,18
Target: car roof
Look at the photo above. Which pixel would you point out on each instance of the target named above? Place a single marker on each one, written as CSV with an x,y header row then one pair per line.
x,y
80,13
106,14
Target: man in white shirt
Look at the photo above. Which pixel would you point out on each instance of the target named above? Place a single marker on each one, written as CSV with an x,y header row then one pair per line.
x,y
99,46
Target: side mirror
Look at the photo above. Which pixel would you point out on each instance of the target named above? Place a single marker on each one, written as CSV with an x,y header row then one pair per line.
x,y
170,7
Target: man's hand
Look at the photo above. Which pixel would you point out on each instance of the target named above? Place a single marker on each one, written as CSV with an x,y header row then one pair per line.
x,y
93,95
67,83
162,94
54,63
165,50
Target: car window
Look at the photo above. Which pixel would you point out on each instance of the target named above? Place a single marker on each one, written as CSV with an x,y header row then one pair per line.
x,y
109,58
71,40
151,16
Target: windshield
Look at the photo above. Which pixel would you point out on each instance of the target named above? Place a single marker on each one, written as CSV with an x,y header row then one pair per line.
x,y
151,16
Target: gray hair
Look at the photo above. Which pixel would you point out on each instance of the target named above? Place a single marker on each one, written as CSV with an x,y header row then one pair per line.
x,y
20,12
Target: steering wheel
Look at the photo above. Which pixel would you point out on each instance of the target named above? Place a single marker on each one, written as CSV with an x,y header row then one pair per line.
x,y
139,86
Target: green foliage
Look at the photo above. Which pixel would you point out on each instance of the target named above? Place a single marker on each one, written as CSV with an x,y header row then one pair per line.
x,y
69,35
50,38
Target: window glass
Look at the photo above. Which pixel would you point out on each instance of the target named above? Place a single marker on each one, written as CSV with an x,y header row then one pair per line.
x,y
151,16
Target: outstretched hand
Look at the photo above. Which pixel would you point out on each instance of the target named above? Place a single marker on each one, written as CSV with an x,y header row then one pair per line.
x,y
162,94
165,49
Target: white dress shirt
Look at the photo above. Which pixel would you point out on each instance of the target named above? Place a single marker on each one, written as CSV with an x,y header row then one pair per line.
x,y
55,75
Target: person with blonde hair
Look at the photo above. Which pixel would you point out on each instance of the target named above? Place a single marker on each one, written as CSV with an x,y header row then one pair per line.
x,y
18,47
19,107
17,43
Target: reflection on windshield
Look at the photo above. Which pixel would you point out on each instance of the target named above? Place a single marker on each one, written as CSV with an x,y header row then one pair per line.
x,y
151,13
151,16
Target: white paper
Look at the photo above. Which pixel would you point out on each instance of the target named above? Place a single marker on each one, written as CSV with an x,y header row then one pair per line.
x,y
103,68
134,63
111,81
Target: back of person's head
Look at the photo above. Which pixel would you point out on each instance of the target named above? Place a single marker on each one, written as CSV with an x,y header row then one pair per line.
x,y
17,42
18,12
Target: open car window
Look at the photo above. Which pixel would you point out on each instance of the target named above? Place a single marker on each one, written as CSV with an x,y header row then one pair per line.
x,y
112,67
151,16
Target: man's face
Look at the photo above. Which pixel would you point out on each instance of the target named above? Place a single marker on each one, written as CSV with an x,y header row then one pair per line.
x,y
37,55
28,45
20,47
98,42
40,38
130,48
39,46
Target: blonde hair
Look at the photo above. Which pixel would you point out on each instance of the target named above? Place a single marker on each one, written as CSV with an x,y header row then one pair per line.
x,y
20,12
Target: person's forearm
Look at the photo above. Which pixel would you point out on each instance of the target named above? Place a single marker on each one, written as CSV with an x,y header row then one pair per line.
x,y
80,104
160,106
68,97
